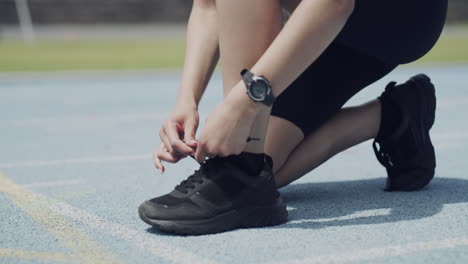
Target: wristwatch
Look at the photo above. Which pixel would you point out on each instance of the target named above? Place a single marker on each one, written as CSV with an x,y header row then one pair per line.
x,y
258,88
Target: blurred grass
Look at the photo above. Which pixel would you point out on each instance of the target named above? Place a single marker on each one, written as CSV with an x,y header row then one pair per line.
x,y
149,54
449,49
92,54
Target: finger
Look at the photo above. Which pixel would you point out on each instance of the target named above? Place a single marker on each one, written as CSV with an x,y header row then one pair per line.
x,y
176,142
165,140
164,155
189,135
168,157
164,149
200,154
157,162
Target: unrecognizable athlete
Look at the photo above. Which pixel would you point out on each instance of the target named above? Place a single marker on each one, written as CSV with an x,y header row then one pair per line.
x,y
282,115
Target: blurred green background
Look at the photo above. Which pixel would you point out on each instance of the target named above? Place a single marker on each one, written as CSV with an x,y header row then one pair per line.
x,y
137,34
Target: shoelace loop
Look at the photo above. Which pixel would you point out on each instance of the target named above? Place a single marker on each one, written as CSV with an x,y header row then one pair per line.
x,y
206,168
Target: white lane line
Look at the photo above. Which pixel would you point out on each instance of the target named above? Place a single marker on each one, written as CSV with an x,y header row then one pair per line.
x,y
51,183
154,245
381,252
74,161
100,118
361,214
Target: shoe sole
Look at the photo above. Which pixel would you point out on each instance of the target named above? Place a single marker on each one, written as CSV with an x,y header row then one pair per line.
x,y
255,216
417,179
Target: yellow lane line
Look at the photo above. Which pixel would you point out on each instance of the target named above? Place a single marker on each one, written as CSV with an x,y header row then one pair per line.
x,y
82,246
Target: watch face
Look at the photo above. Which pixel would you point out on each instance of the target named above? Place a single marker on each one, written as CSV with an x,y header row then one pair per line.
x,y
259,90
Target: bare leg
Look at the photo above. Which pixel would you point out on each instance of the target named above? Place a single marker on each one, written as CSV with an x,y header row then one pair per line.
x,y
349,127
244,35
246,30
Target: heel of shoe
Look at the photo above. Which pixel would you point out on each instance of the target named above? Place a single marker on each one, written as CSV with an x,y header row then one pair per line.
x,y
427,91
416,178
263,216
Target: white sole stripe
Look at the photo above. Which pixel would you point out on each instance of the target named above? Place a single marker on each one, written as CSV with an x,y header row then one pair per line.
x,y
74,161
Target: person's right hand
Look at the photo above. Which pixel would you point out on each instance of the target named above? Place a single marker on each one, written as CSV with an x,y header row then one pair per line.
x,y
177,135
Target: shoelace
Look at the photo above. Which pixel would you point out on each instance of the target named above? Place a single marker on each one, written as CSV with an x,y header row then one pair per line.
x,y
209,165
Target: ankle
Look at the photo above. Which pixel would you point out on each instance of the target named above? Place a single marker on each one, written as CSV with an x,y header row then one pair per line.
x,y
390,118
252,163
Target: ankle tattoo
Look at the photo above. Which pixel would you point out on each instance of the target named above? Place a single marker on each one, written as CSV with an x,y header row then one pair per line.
x,y
252,139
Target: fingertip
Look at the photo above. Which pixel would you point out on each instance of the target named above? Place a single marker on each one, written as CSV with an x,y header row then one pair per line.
x,y
200,158
158,164
196,156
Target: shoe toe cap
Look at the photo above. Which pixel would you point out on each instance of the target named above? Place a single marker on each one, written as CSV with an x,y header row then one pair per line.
x,y
155,211
151,210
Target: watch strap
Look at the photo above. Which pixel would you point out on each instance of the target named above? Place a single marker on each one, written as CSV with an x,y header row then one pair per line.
x,y
247,76
269,99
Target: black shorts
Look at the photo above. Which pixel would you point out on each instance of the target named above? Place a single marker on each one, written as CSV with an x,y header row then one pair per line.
x,y
377,37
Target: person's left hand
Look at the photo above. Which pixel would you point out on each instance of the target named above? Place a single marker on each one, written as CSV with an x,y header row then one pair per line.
x,y
227,127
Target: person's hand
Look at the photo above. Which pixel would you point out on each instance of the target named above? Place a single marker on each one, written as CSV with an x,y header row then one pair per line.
x,y
177,135
228,126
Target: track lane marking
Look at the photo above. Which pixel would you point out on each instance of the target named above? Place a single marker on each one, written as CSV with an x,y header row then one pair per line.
x,y
449,140
381,252
75,119
135,237
360,214
74,161
150,243
50,183
82,246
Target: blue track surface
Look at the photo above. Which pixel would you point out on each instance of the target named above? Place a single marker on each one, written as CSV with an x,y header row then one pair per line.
x,y
75,163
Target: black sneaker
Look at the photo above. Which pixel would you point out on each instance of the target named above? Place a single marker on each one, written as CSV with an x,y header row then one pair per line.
x,y
407,153
218,197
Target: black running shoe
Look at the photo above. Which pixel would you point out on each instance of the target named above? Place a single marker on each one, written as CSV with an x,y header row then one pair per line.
x,y
408,154
218,197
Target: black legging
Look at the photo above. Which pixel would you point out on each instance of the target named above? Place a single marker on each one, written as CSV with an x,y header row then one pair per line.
x,y
377,37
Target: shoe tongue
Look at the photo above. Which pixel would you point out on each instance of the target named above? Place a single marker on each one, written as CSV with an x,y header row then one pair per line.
x,y
251,163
